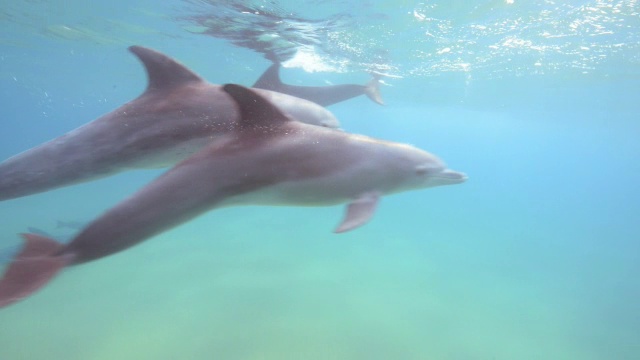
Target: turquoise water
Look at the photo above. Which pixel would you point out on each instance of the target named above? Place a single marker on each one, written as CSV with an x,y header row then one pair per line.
x,y
537,256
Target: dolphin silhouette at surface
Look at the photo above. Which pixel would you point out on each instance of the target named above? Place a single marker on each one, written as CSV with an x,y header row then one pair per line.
x,y
271,160
322,95
176,115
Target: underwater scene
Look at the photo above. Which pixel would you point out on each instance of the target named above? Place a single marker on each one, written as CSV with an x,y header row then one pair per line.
x,y
320,180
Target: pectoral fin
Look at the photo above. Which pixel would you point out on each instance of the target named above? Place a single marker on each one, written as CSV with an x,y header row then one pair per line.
x,y
359,211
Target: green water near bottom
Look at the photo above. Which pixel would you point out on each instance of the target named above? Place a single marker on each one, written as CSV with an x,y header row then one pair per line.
x,y
264,283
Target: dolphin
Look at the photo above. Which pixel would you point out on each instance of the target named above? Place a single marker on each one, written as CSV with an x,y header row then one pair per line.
x,y
322,95
175,116
270,160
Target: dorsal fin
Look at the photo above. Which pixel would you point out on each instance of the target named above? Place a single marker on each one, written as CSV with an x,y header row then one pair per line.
x,y
270,79
255,111
162,71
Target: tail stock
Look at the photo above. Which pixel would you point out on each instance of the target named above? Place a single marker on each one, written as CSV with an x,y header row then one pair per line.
x,y
34,266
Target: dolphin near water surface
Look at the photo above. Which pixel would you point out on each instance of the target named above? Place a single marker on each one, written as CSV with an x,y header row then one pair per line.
x,y
175,116
322,95
269,160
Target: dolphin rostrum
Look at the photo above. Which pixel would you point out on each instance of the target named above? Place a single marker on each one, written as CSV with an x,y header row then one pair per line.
x,y
270,160
176,115
323,95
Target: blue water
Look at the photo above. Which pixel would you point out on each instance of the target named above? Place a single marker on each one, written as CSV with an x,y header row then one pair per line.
x,y
536,256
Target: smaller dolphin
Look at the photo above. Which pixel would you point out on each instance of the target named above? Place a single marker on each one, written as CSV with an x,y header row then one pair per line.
x,y
270,160
322,95
173,118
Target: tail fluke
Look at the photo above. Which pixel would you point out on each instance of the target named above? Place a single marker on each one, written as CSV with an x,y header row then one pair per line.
x,y
372,89
31,269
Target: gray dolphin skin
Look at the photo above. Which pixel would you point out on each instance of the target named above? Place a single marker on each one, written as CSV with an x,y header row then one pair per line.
x,y
177,114
270,160
322,95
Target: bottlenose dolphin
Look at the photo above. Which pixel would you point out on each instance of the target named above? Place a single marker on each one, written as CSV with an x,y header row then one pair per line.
x,y
176,115
322,95
270,160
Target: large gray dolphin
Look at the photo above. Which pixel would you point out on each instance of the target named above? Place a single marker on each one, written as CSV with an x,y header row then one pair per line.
x,y
176,115
322,95
270,160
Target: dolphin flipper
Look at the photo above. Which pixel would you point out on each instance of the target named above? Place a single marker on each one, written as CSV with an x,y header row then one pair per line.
x,y
31,269
359,212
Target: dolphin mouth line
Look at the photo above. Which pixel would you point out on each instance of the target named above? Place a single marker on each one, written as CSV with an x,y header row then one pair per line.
x,y
451,175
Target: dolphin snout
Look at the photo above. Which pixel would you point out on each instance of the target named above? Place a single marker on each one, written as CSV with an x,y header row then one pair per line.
x,y
452,177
